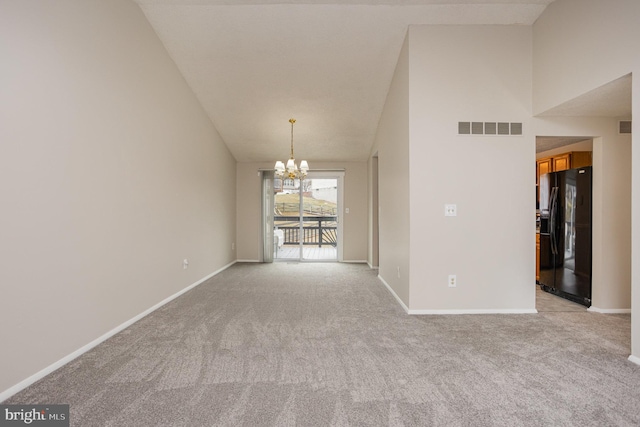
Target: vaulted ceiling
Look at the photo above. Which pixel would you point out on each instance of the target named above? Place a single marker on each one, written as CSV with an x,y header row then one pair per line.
x,y
610,100
253,64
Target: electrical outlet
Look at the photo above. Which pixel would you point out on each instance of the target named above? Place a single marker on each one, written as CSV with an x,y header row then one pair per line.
x,y
452,281
233,246
398,272
185,264
450,210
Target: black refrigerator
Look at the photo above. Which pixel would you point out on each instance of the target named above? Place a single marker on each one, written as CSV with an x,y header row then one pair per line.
x,y
565,234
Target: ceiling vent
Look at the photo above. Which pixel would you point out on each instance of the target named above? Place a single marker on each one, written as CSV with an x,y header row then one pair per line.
x,y
624,126
489,128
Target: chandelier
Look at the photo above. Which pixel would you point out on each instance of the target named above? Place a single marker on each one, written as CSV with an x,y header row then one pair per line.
x,y
292,171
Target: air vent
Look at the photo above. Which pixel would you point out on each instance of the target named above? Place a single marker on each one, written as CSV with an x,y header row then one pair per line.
x,y
477,128
503,128
489,128
624,126
464,128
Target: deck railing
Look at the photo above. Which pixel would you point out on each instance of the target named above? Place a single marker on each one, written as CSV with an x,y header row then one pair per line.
x,y
307,208
317,230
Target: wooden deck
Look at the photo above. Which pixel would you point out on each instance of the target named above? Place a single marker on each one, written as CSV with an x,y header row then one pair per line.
x,y
289,252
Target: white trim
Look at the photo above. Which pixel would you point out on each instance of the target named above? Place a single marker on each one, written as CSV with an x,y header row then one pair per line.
x,y
355,261
472,311
406,309
634,359
248,260
609,310
372,267
68,358
477,311
339,176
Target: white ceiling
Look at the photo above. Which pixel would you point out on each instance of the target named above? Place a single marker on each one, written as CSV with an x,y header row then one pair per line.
x,y
610,100
546,143
253,64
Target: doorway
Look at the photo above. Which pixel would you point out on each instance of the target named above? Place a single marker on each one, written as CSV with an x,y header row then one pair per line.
x,y
306,218
375,209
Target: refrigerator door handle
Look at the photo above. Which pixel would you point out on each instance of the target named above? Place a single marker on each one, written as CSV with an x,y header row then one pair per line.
x,y
552,220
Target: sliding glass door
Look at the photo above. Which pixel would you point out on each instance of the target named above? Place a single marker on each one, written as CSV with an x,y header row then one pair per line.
x,y
287,220
306,218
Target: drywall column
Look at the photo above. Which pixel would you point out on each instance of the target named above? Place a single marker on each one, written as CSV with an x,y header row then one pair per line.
x,y
372,203
392,145
611,221
375,242
635,221
480,74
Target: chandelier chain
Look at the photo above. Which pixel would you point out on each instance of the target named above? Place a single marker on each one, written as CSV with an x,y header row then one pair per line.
x,y
292,121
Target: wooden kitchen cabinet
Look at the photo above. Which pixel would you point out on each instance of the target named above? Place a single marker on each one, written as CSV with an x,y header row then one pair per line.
x,y
543,166
580,159
562,162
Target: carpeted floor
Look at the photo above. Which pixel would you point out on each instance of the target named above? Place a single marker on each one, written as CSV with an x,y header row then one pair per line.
x,y
289,344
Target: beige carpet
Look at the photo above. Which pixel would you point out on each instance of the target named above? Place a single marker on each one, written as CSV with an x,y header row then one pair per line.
x,y
326,344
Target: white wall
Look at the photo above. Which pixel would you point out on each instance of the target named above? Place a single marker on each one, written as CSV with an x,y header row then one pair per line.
x,y
249,210
612,286
354,227
374,244
602,41
580,45
471,73
635,218
110,175
392,147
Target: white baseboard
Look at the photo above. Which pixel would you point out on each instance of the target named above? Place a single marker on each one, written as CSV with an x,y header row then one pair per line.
x,y
68,358
477,311
439,312
372,267
348,261
406,309
634,359
609,310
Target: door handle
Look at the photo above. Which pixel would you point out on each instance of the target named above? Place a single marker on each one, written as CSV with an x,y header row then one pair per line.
x,y
552,220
